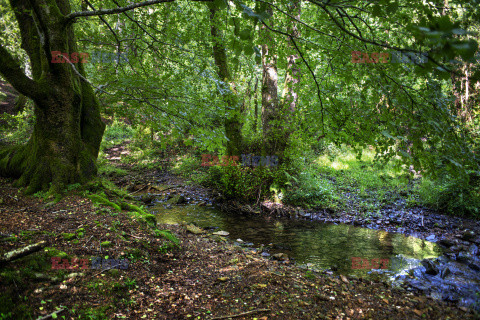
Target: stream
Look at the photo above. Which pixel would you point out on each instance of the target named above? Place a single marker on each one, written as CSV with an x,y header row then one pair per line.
x,y
343,249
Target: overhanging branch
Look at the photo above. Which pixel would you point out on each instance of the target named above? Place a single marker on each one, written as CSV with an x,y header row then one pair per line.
x,y
102,12
13,73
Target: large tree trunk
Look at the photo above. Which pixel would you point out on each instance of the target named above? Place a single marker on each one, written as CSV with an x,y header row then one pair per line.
x,y
233,124
292,76
270,103
276,115
68,130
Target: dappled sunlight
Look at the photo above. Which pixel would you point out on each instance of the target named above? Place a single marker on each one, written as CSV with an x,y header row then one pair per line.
x,y
339,165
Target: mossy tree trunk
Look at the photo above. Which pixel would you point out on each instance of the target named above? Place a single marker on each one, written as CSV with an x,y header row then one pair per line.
x,y
68,130
271,119
233,123
276,113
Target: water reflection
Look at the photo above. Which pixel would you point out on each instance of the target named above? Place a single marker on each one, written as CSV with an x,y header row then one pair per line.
x,y
322,245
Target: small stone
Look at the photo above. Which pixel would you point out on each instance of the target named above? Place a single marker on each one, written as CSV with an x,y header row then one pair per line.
x,y
431,238
456,248
446,242
473,250
221,233
194,229
223,279
280,256
463,257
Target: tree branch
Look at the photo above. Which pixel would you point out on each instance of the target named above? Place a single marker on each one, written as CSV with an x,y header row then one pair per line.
x,y
12,72
102,12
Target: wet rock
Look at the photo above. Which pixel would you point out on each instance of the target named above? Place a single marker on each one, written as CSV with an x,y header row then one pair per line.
x,y
474,266
456,248
445,272
280,256
451,256
147,199
194,229
463,257
447,242
431,238
181,200
473,250
430,267
468,235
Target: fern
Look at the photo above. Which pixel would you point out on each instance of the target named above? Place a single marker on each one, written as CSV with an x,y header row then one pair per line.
x,y
167,235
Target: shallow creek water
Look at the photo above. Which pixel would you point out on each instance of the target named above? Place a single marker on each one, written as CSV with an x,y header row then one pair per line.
x,y
318,245
342,248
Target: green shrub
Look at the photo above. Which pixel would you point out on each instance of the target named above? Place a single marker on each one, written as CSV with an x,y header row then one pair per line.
x,y
307,190
187,165
241,183
17,128
116,133
453,196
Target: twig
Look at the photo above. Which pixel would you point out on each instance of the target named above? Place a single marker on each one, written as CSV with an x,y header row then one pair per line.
x,y
241,314
170,188
88,241
131,235
94,275
141,189
48,316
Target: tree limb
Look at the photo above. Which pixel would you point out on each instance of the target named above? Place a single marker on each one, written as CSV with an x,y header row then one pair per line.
x,y
18,253
12,72
102,12
48,316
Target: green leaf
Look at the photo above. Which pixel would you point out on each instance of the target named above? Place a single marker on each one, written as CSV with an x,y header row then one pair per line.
x,y
377,10
249,50
246,34
386,134
220,4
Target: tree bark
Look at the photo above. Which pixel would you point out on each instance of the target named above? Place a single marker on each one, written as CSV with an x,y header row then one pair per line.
x,y
232,123
270,103
276,115
68,130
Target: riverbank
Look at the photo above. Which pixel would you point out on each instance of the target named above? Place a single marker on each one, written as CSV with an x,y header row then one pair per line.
x,y
206,277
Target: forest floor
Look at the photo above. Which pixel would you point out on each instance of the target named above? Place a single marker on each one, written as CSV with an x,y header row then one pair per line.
x,y
206,277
